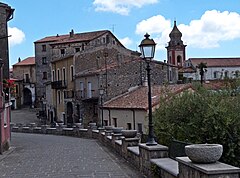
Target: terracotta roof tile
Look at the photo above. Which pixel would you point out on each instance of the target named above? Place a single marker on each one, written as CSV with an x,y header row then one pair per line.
x,y
27,61
58,39
216,62
138,98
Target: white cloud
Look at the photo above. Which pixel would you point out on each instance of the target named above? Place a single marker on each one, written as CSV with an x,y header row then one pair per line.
x,y
126,41
207,32
122,7
17,36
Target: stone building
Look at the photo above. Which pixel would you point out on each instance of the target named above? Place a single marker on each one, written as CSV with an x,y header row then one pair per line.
x,y
24,75
6,14
116,73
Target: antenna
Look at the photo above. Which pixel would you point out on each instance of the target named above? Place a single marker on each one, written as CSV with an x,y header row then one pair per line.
x,y
113,27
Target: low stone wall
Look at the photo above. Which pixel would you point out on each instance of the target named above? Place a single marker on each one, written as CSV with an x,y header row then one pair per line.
x,y
152,161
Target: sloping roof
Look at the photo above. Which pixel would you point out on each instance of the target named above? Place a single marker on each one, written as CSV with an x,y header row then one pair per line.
x,y
138,98
27,61
216,62
78,37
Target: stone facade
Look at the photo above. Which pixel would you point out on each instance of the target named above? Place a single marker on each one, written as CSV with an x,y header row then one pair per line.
x,y
6,14
43,57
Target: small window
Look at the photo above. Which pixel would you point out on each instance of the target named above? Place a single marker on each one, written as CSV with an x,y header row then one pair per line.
x,y
104,40
129,126
115,122
44,60
58,74
44,48
64,74
107,39
215,74
77,50
140,130
53,75
27,78
71,73
62,52
226,74
82,47
45,75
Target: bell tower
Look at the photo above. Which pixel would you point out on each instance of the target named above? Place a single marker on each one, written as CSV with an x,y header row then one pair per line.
x,y
176,49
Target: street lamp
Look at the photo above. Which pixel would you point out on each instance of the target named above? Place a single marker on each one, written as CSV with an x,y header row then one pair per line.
x,y
101,92
147,48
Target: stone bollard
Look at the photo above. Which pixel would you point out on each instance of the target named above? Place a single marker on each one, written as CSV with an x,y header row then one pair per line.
x,y
128,142
146,153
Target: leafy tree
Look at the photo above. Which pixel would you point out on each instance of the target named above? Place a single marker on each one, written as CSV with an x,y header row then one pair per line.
x,y
202,69
202,116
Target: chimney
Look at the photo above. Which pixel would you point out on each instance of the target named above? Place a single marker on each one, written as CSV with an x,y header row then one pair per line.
x,y
19,59
71,33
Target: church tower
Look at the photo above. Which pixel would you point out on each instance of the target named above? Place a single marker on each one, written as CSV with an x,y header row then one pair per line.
x,y
176,49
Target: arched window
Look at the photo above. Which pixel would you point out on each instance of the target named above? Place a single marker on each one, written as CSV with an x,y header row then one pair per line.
x,y
226,74
179,60
71,72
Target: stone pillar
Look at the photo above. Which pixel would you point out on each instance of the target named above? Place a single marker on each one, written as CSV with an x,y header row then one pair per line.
x,y
115,137
187,169
128,142
147,153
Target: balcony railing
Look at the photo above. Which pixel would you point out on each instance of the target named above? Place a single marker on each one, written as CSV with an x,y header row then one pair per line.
x,y
68,94
60,84
86,95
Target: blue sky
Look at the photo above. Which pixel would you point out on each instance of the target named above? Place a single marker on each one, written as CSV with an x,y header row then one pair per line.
x,y
210,28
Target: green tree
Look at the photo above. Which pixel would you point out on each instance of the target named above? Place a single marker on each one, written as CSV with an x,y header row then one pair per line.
x,y
202,117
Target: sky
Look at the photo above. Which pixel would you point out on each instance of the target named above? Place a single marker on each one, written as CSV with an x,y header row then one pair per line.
x,y
210,28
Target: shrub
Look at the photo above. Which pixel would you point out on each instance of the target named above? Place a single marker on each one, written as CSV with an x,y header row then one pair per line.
x,y
202,116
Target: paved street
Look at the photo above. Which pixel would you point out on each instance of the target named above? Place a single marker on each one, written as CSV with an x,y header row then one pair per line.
x,y
61,157
35,155
24,116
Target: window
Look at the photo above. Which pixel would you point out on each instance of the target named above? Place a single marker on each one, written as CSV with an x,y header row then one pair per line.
x,y
64,75
77,50
237,74
226,74
140,128
59,97
44,48
62,52
89,93
129,126
81,90
58,74
115,122
179,60
107,39
27,78
82,47
44,60
104,40
44,75
53,75
215,74
71,73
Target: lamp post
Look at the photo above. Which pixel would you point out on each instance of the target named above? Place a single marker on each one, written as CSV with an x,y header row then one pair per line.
x,y
147,48
101,92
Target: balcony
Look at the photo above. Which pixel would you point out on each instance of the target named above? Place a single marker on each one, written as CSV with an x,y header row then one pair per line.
x,y
87,96
68,94
59,84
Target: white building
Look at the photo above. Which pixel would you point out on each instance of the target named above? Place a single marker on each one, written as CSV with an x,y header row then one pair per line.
x,y
217,68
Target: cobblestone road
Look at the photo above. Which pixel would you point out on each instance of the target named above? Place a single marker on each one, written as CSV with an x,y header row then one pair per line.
x,y
61,157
